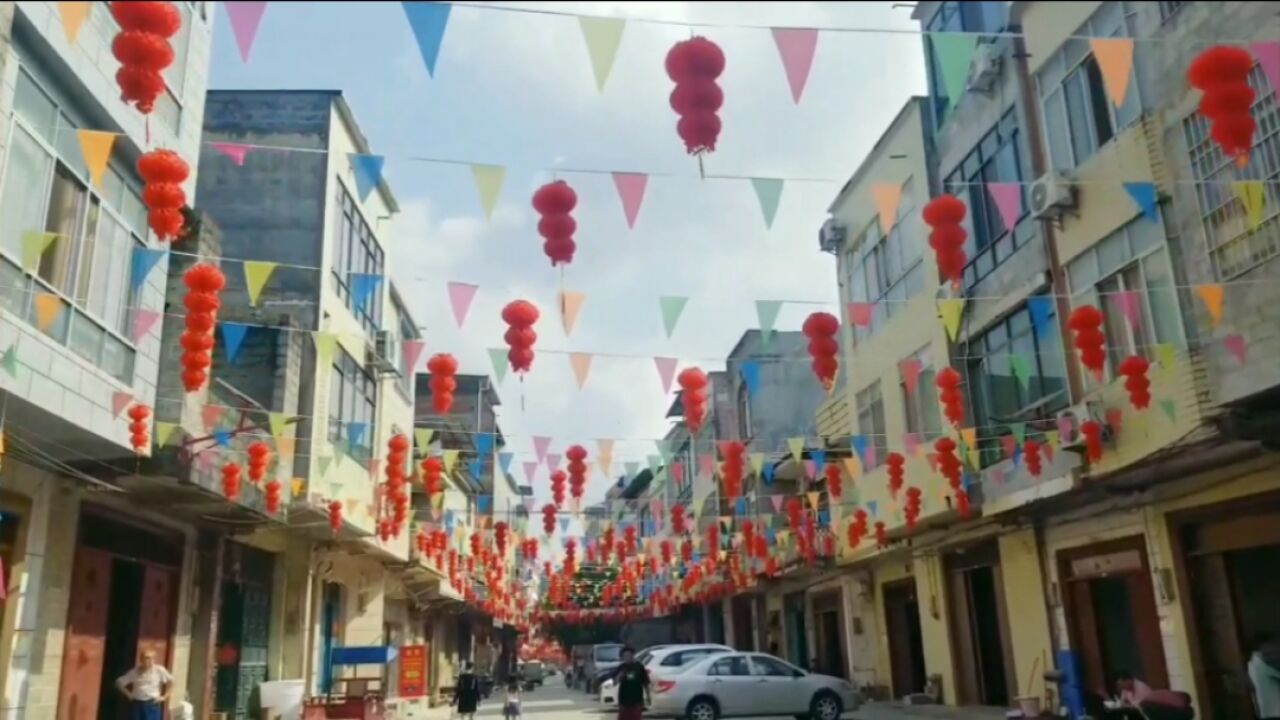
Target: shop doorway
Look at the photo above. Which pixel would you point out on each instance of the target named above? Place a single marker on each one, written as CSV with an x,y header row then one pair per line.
x,y
830,635
331,632
244,630
979,627
797,633
744,632
14,511
906,641
715,623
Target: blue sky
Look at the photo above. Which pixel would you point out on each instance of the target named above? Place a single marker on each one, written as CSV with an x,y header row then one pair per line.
x,y
516,89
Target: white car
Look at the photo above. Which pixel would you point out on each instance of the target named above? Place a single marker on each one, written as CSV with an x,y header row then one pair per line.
x,y
663,660
750,684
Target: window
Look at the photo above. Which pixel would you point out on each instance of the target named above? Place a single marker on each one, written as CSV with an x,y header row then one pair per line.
x,y
353,397
355,251
1235,245
871,419
924,417
771,667
685,657
1013,374
953,16
996,158
886,270
407,332
87,264
744,410
1131,260
1079,115
733,665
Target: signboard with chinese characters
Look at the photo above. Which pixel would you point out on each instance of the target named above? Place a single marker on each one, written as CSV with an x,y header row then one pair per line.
x,y
413,670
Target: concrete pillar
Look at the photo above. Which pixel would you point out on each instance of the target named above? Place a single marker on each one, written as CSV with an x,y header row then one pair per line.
x,y
931,592
1024,592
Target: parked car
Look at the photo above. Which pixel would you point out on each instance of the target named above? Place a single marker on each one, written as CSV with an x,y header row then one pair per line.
x,y
532,673
661,661
601,660
750,684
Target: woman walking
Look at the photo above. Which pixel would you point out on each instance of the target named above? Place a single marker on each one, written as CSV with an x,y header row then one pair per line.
x,y
466,696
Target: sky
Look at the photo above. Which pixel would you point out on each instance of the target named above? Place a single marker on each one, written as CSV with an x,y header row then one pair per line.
x,y
516,89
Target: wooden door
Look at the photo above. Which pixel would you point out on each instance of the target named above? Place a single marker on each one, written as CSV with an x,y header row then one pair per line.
x,y
155,620
906,654
1229,693
80,688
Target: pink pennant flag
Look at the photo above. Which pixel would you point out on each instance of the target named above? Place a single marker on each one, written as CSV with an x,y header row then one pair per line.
x,y
412,350
375,465
911,443
245,18
1010,444
933,461
860,313
810,468
666,371
541,443
1066,428
553,461
1267,53
1115,418
120,401
211,415
869,457
677,472
1235,343
631,191
1130,306
796,46
707,464
911,369
1008,199
205,461
460,297
530,467
143,321
777,502
235,151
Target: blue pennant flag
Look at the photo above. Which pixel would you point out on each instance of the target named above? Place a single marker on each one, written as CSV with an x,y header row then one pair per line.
x,y
232,338
222,437
484,503
355,433
505,458
859,443
449,521
1144,196
564,524
428,21
751,376
768,473
363,286
819,458
824,517
742,506
873,507
368,172
484,444
697,556
1041,308
144,259
771,534
474,468
967,481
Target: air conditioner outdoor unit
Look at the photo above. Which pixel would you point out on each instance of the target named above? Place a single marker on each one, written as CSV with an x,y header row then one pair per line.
x,y
1077,415
831,236
984,71
1051,195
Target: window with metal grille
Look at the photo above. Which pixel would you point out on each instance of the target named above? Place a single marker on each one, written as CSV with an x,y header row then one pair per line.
x,y
1234,243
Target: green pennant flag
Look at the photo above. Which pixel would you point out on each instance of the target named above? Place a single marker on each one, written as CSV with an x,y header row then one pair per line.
x,y
276,421
34,243
1019,432
323,462
767,311
655,462
164,432
672,308
1021,368
797,446
768,192
954,51
422,437
1170,409
757,462
498,356
9,361
326,342
602,35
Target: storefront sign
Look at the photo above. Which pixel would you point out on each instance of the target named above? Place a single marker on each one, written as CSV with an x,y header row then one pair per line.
x,y
413,670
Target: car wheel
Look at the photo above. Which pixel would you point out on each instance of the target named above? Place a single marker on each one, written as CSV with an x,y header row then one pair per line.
x,y
702,709
825,706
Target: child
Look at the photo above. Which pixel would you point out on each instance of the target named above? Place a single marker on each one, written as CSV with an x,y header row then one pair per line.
x,y
511,708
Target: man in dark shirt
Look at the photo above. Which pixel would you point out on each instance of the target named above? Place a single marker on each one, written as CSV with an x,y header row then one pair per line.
x,y
633,686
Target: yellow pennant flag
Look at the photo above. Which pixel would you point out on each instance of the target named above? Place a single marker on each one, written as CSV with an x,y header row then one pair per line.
x,y
970,438
164,432
73,15
1115,60
951,310
256,275
34,244
450,460
96,146
48,308
603,36
581,363
853,466
296,485
887,197
570,306
797,446
276,421
1053,438
326,342
1213,296
422,438
489,179
813,499
1166,355
757,462
1250,194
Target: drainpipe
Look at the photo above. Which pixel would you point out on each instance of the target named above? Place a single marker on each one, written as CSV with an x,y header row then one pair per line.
x,y
1039,166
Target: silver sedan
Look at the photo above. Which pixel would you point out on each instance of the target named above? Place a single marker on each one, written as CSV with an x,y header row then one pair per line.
x,y
750,684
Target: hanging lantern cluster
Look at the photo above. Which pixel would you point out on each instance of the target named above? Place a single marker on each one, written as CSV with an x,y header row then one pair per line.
x,y
1031,451
520,315
231,481
882,535
443,367
204,282
397,493
501,534
140,428
558,479
945,214
548,518
713,542
693,386
949,463
835,480
143,49
433,475
1092,431
163,172
259,457
678,519
1086,323
529,549
733,468
554,202
911,507
1134,369
948,382
272,496
630,540
896,463
821,329
795,512
1222,74
335,516
857,528
667,551
577,456
693,65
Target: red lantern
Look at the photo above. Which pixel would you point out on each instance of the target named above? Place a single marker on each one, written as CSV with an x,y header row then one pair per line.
x,y
911,508
629,539
731,470
857,528
713,541
694,65
335,516
1092,431
433,474
500,537
821,329
443,367
142,47
140,428
272,497
677,519
577,456
204,282
520,315
1134,369
795,513
1222,73
1086,323
948,462
548,518
668,552
835,480
231,481
693,384
259,456
557,487
962,503
882,535
897,472
164,171
554,202
945,214
948,382
686,551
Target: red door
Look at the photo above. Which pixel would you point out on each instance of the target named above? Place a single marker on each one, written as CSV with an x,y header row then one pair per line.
x,y
80,688
155,622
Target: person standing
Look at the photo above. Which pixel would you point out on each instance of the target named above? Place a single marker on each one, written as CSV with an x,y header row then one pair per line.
x,y
466,696
633,686
1264,675
147,687
511,706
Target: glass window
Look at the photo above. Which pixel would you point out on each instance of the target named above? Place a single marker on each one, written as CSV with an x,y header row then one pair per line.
x,y
356,251
352,399
67,205
870,407
924,417
22,204
770,667
996,158
734,665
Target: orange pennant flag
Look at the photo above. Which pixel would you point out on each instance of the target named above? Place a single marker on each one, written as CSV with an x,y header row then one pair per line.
x,y
1115,60
96,146
1212,295
887,196
48,308
581,366
73,15
570,306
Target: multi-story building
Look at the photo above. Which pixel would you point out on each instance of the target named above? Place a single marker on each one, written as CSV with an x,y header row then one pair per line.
x,y
77,546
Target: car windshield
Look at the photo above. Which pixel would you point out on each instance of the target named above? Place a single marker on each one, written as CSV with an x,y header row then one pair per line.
x,y
643,657
609,654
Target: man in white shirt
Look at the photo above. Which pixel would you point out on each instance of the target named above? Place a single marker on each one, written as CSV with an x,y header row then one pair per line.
x,y
1265,677
147,687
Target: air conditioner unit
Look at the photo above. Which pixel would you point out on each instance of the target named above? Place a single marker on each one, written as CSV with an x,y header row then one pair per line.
x,y
831,236
1076,415
1051,195
984,70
